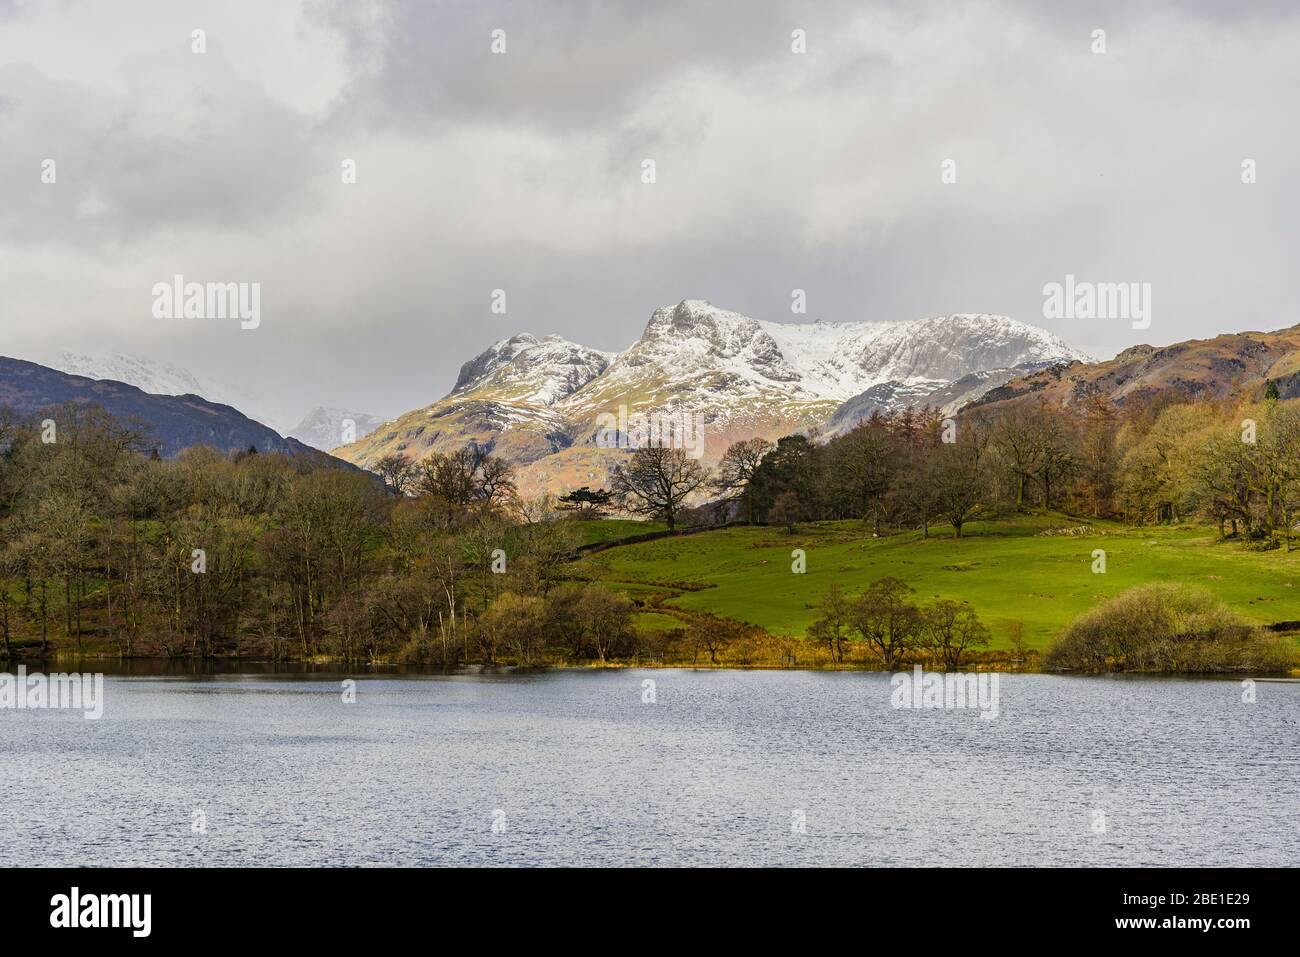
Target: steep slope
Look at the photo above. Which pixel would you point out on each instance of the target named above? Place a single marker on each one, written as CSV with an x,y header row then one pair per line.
x,y
504,399
1227,366
841,356
767,378
726,368
176,421
948,398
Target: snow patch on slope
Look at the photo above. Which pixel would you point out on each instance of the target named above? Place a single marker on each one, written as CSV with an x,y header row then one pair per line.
x,y
528,370
159,377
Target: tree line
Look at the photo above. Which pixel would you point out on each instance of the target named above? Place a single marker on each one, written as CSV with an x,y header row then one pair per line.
x,y
888,624
211,553
442,560
1151,461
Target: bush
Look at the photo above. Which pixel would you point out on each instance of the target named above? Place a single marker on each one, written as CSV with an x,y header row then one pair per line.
x,y
1166,628
519,623
592,622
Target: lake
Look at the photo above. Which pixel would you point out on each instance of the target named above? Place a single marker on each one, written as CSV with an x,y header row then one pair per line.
x,y
723,768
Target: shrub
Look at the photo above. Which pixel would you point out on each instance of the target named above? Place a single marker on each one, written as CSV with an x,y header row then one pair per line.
x,y
593,622
519,622
1165,628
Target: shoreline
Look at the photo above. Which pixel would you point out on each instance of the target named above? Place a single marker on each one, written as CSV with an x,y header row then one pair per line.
x,y
162,667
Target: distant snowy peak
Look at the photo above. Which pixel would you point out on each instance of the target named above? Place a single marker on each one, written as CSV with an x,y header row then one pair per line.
x,y
159,377
491,359
842,359
526,369
948,347
327,428
148,375
830,360
695,335
694,354
698,320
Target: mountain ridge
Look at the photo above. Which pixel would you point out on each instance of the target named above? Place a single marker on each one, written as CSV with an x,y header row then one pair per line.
x,y
1225,366
162,377
538,401
177,421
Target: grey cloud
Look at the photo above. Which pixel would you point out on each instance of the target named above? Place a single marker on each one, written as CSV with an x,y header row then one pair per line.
x,y
568,65
222,158
478,172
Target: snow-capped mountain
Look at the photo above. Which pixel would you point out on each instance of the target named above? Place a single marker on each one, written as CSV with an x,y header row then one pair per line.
x,y
697,357
159,377
938,349
149,375
539,401
532,371
325,428
947,398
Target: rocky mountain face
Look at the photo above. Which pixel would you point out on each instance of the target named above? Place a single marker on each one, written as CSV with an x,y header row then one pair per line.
x,y
948,398
1227,366
532,371
546,403
176,421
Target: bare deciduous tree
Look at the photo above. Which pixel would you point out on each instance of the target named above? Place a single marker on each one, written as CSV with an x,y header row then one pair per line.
x,y
886,618
657,481
736,470
398,473
952,628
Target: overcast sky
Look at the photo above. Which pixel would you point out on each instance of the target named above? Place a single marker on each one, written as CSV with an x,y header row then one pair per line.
x,y
523,171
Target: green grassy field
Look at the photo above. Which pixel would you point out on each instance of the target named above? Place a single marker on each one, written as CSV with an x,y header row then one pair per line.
x,y
1008,571
609,529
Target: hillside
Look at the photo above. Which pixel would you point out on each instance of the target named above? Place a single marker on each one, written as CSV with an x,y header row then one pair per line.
x,y
1223,367
159,377
176,421
745,573
948,398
